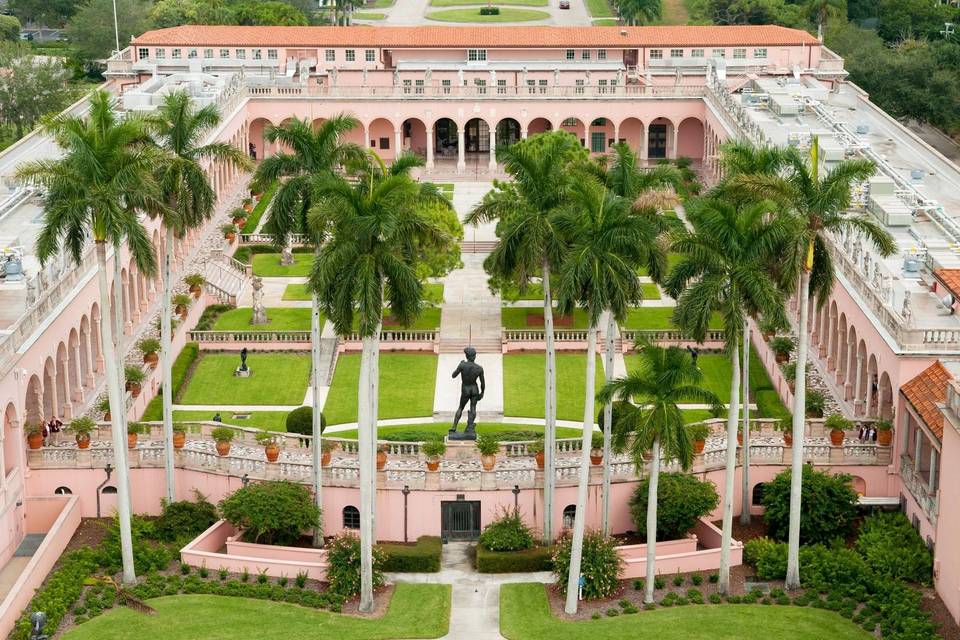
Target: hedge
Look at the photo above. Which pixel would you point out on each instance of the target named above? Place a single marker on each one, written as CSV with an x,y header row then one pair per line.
x,y
59,592
181,366
422,557
210,315
253,220
245,253
536,559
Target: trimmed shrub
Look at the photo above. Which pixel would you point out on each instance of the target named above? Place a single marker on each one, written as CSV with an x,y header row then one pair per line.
x,y
893,548
829,506
533,559
422,557
682,499
59,592
489,11
275,512
188,355
507,532
343,565
600,564
300,421
768,557
148,554
210,316
184,519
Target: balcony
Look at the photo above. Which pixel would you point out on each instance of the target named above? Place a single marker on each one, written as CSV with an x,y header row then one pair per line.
x,y
919,488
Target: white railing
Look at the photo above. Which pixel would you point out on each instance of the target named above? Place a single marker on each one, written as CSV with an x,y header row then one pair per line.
x,y
251,335
919,488
666,335
400,335
296,239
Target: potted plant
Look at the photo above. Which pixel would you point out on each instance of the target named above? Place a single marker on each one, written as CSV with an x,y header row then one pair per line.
x,y
790,374
326,451
816,402
782,347
149,347
248,204
229,232
488,446
739,434
536,448
223,436
271,447
698,435
596,448
181,304
179,435
769,328
239,215
381,457
135,377
133,430
433,449
103,405
35,436
837,424
81,428
884,429
195,281
785,426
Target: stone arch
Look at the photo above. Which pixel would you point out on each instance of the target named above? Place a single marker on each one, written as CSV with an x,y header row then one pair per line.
x,y
873,381
860,390
569,515
756,495
631,132
539,125
258,144
413,135
508,132
660,138
575,126
357,135
476,136
382,137
350,517
74,376
445,138
601,134
859,485
12,439
133,301
885,396
851,377
690,139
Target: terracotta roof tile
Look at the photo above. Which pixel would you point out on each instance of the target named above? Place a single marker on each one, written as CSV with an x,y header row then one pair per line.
x,y
457,37
924,391
950,279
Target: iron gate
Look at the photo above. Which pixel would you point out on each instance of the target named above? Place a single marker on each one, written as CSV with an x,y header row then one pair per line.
x,y
460,520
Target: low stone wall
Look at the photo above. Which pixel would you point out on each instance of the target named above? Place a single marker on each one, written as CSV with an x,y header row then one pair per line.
x,y
698,552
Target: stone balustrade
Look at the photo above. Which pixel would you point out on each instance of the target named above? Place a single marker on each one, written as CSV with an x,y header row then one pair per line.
x,y
473,92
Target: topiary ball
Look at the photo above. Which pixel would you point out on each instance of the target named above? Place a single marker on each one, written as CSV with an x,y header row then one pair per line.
x,y
300,421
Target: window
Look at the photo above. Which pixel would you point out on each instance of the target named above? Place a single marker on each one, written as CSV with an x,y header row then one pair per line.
x,y
531,86
241,54
585,54
224,53
192,53
601,54
160,53
696,53
481,85
476,55
502,87
760,53
351,518
384,143
370,55
271,54
543,86
258,54
719,53
656,54
569,515
571,54
109,491
579,86
175,54
598,141
330,55
419,86
739,54
601,86
676,53
758,489
406,86
569,122
62,491
445,85
143,53
350,55
208,53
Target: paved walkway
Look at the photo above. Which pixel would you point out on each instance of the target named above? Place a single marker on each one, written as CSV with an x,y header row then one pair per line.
x,y
413,12
475,600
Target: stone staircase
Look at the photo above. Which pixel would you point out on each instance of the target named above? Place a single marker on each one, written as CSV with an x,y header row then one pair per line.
x,y
483,344
479,246
226,278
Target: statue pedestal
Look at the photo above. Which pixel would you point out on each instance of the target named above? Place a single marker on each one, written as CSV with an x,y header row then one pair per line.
x,y
461,450
462,436
243,373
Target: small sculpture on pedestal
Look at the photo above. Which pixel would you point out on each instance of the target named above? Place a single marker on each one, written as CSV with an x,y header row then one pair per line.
x,y
907,311
38,620
242,371
259,313
286,256
470,372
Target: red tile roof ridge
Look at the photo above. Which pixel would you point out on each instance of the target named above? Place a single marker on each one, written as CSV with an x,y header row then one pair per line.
x,y
925,391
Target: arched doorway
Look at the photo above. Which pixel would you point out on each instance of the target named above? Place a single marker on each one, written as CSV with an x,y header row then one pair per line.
x,y
631,132
414,135
538,125
658,138
885,397
382,136
690,139
576,127
601,135
477,136
257,147
445,138
508,132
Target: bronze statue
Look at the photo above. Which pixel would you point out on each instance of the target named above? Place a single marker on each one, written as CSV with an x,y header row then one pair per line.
x,y
243,359
470,372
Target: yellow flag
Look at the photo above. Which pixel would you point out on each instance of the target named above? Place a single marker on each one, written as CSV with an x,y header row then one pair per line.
x,y
815,156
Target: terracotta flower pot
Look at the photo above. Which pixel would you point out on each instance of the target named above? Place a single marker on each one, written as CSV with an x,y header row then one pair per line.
x,y
35,440
539,459
151,359
106,415
596,459
739,439
179,439
782,357
788,438
836,437
248,206
131,441
272,452
239,221
433,463
884,437
196,290
488,461
381,460
698,446
134,388
230,237
83,440
223,447
325,458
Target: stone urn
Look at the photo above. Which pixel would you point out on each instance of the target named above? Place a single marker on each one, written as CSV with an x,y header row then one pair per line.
x,y
488,461
836,437
884,437
539,458
788,438
433,463
35,439
83,440
381,459
596,457
325,459
223,447
272,452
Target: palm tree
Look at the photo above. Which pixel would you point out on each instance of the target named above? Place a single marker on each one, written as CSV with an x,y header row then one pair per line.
x,y
725,261
179,130
106,170
376,228
820,205
820,10
525,210
609,242
663,379
640,11
314,155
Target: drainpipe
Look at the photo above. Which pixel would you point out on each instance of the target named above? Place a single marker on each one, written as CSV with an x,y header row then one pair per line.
x,y
405,492
109,471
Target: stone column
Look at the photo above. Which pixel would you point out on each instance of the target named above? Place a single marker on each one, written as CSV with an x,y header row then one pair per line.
x,y
523,133
492,164
78,391
461,150
931,485
917,450
848,385
644,145
832,344
616,133
858,401
869,404
676,138
398,141
429,165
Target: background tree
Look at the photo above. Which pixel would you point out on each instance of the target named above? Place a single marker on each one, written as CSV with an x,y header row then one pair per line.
x,y
31,87
173,13
91,28
9,28
640,11
268,13
50,13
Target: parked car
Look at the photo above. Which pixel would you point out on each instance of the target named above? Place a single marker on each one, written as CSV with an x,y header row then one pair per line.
x,y
564,4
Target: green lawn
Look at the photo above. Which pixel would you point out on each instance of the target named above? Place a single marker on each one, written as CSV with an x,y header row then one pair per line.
x,y
416,611
525,615
675,12
432,291
459,3
269,420
429,318
659,318
379,4
407,384
599,9
650,291
605,22
278,378
296,292
267,265
507,14
368,15
441,429
516,318
281,319
523,394
253,220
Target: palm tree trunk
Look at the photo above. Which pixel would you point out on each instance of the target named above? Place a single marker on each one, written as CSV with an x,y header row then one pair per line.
x,y
729,479
652,521
316,443
549,409
374,429
745,470
607,424
799,415
166,364
117,412
365,445
580,520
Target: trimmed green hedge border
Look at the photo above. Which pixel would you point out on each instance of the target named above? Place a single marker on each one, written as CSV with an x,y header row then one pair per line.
x,y
59,592
253,220
245,253
422,557
535,559
181,365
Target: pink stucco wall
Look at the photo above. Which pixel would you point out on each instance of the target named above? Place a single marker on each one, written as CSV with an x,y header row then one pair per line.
x,y
946,563
681,556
